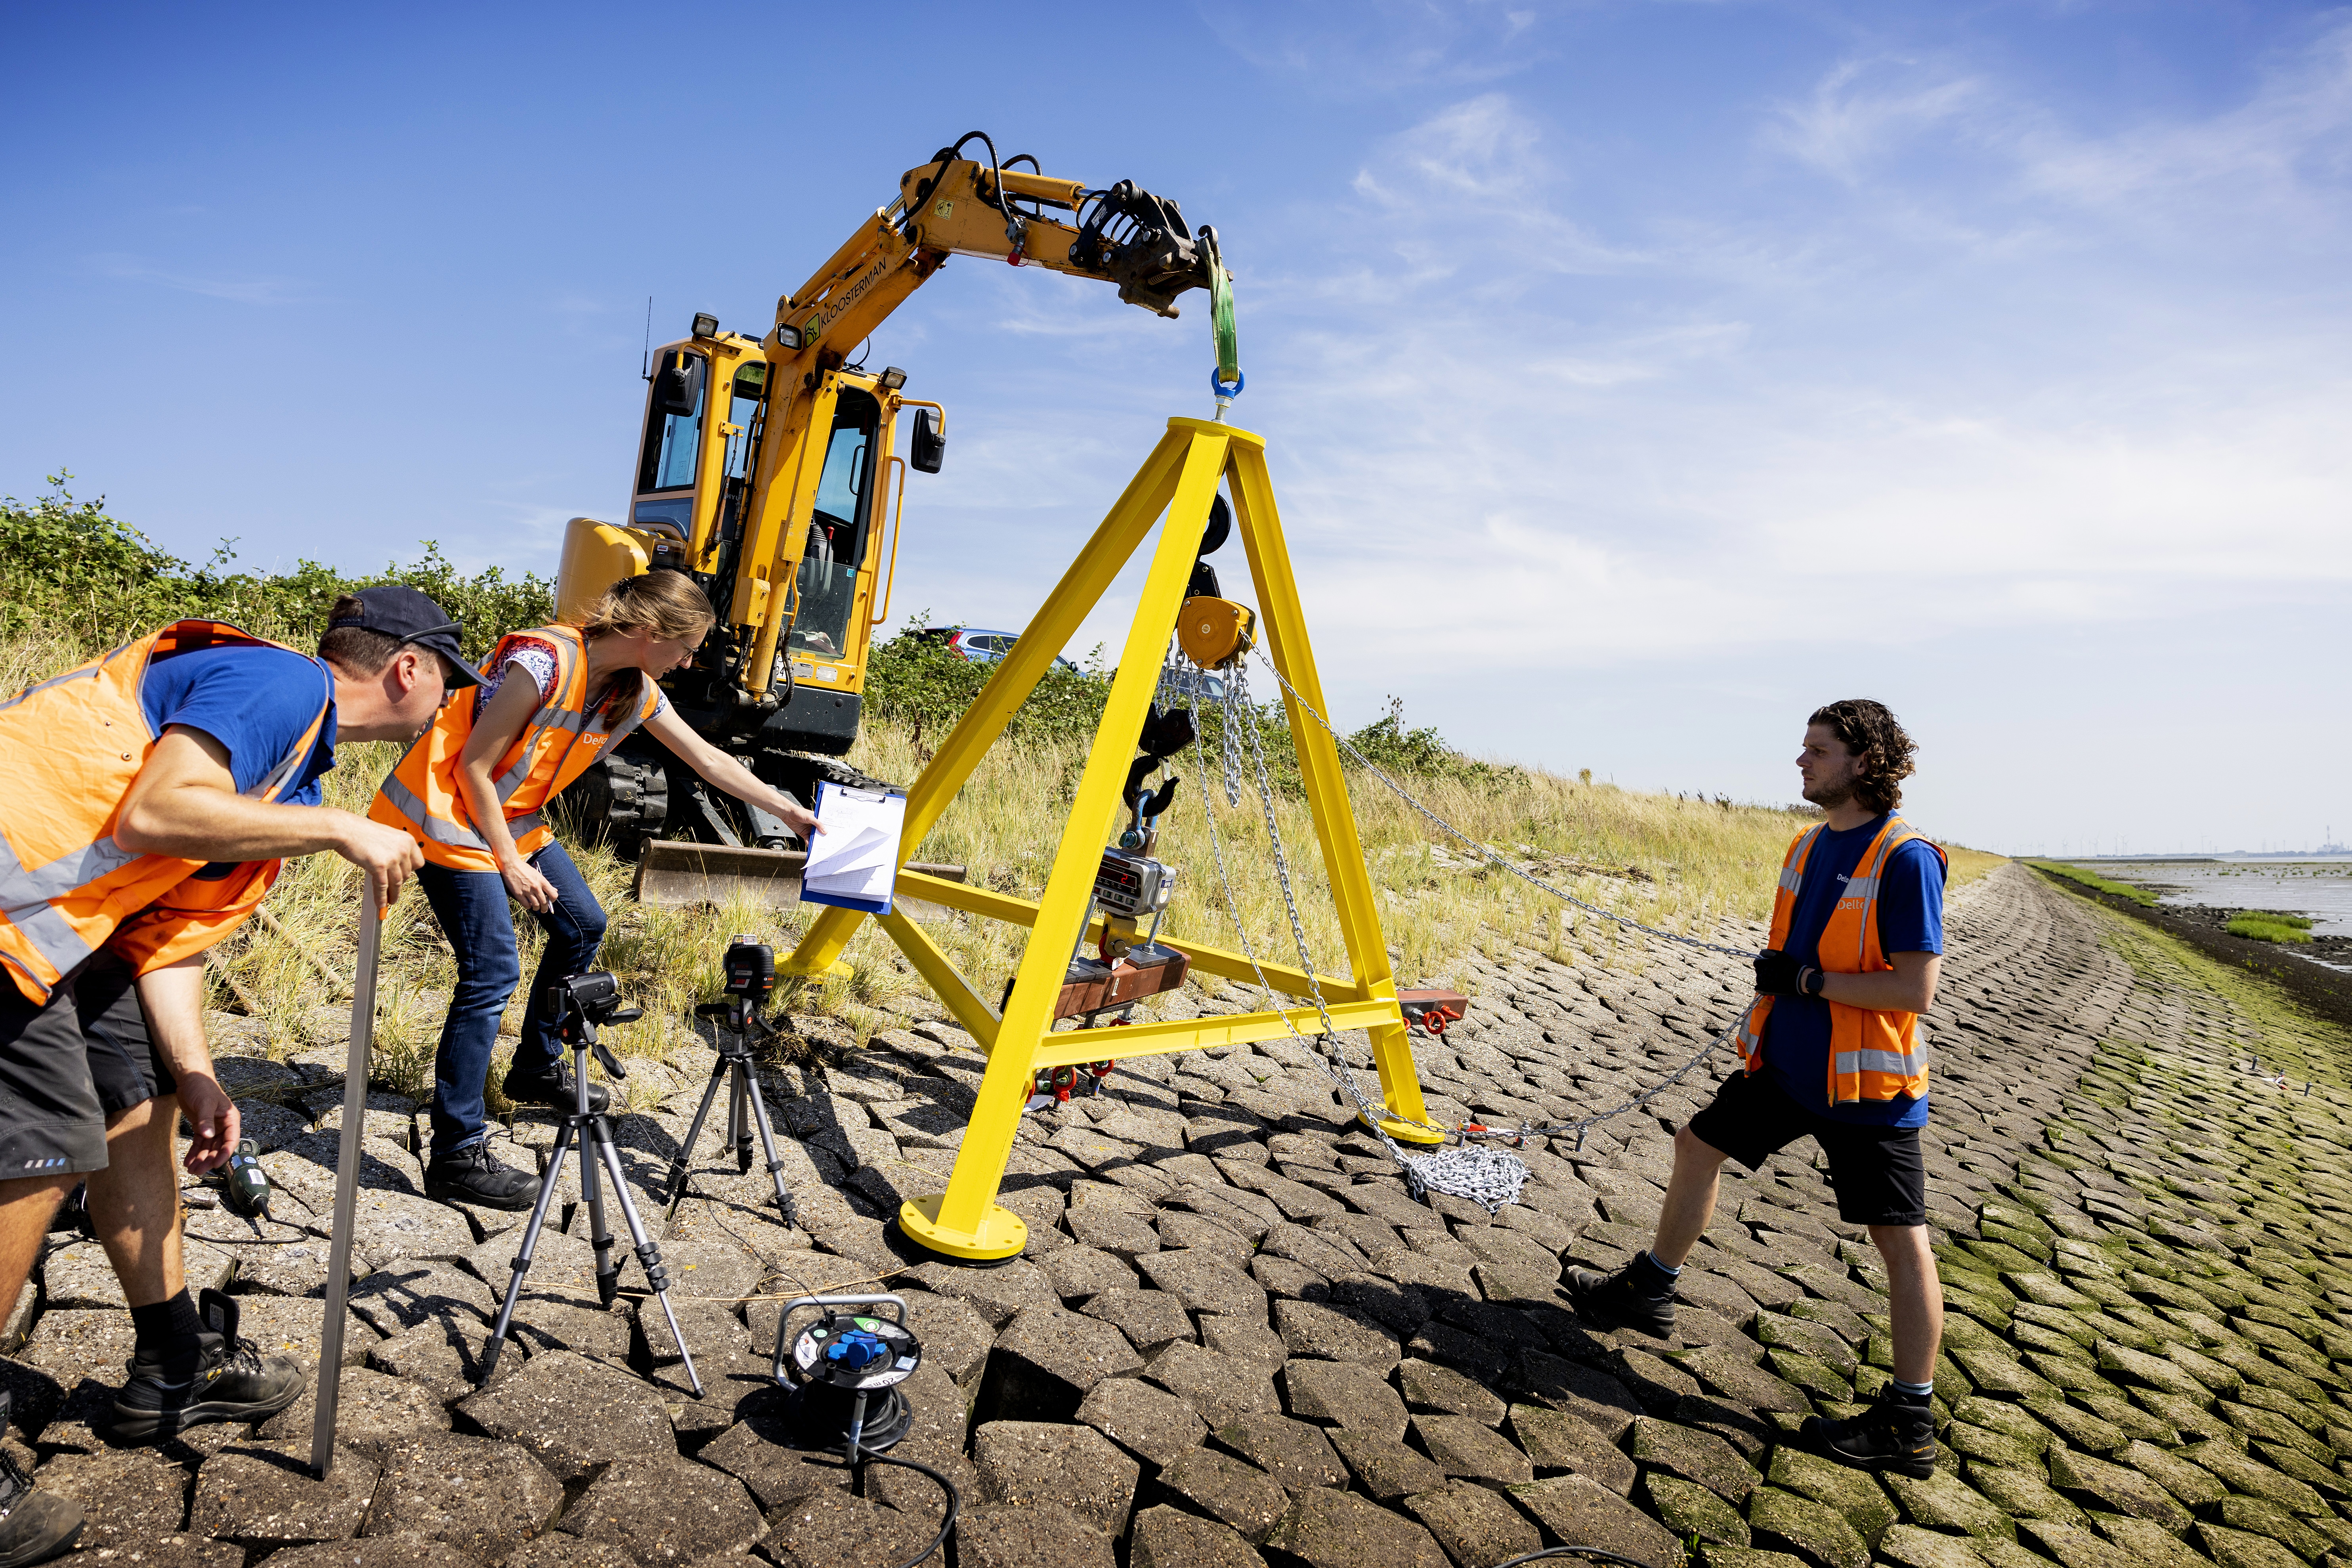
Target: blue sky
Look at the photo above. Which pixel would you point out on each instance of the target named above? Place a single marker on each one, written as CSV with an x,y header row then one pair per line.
x,y
1636,375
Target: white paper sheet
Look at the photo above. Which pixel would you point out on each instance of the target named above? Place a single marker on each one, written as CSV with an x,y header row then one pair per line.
x,y
856,856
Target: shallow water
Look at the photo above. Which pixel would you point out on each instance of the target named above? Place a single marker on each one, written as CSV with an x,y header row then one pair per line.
x,y
2320,888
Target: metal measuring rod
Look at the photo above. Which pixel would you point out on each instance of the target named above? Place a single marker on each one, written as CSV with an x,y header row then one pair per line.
x,y
347,1181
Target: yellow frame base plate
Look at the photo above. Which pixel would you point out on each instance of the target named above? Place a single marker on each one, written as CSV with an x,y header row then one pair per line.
x,y
1002,1233
1403,1131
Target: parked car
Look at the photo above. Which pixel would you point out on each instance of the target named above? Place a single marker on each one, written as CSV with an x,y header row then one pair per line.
x,y
1175,682
980,646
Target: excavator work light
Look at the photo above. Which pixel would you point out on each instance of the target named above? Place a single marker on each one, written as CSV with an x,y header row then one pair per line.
x,y
790,337
706,326
893,378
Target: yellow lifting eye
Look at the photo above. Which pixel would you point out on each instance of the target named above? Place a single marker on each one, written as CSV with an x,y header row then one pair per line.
x,y
1214,632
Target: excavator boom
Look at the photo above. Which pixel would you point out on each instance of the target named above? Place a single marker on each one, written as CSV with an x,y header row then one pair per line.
x,y
764,472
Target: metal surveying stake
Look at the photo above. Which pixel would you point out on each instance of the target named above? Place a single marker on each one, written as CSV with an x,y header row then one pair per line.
x,y
751,970
580,1002
347,1181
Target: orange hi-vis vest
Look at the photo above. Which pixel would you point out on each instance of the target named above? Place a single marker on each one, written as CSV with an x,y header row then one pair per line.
x,y
70,748
1873,1055
562,741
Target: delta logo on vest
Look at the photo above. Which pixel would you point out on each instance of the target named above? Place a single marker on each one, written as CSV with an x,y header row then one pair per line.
x,y
561,742
1873,1055
70,748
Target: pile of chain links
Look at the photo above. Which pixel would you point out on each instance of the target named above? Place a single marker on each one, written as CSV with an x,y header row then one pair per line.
x,y
1487,1176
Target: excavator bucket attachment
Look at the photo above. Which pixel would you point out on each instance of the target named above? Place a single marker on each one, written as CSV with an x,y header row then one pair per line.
x,y
675,873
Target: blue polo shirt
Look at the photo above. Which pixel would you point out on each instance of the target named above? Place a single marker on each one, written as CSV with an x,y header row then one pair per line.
x,y
257,702
1910,920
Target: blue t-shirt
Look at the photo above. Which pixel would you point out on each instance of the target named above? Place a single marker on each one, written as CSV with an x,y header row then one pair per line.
x,y
257,702
1910,920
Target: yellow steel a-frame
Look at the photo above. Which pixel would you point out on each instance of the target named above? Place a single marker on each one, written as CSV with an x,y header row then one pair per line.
x,y
1181,479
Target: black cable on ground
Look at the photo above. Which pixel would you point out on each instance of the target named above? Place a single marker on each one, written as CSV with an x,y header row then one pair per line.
x,y
1576,1551
955,1501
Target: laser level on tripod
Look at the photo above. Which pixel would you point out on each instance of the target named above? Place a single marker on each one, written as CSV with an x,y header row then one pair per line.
x,y
580,1004
751,970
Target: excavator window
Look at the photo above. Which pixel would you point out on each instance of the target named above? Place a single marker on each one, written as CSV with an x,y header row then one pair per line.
x,y
673,421
837,529
743,408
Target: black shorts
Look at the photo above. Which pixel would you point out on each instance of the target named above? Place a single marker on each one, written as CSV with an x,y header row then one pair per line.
x,y
1877,1170
66,1067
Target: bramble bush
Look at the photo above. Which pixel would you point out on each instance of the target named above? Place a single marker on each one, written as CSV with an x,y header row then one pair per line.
x,y
918,682
68,566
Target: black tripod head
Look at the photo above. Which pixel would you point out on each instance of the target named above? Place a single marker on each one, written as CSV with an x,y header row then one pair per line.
x,y
750,970
582,1004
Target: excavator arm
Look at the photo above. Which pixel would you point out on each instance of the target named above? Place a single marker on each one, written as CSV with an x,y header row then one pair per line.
x,y
950,206
765,469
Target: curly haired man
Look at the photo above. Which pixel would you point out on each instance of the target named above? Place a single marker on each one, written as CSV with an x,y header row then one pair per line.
x,y
1835,1052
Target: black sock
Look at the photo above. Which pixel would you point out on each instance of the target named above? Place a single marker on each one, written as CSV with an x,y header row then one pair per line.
x,y
167,1328
1654,1276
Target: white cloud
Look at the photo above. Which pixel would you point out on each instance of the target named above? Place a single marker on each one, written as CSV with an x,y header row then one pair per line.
x,y
1914,398
1370,48
1850,122
244,288
2285,149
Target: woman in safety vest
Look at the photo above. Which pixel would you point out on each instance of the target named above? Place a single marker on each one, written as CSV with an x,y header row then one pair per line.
x,y
473,791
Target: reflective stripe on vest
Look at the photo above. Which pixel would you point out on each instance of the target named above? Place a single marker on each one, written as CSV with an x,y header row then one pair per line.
x,y
561,741
71,747
1874,1055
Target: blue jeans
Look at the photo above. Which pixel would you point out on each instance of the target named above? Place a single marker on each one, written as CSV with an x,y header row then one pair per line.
x,y
472,909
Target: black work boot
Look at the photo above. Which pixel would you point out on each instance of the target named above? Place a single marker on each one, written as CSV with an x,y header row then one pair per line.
x,y
1894,1434
35,1526
552,1086
222,1378
473,1175
1635,1296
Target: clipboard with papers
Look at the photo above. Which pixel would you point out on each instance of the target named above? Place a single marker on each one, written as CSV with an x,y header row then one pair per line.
x,y
854,863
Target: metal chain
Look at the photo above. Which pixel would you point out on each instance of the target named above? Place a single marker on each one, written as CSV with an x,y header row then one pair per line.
x,y
1399,791
1488,1177
1238,710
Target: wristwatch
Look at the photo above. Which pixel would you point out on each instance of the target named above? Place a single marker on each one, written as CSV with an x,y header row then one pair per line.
x,y
1808,982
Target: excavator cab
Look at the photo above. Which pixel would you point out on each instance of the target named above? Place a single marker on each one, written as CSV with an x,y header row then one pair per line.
x,y
830,552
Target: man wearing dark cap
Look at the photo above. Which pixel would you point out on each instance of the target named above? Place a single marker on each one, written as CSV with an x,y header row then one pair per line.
x,y
147,799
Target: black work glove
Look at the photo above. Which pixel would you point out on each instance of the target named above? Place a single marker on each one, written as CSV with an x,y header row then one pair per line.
x,y
1777,972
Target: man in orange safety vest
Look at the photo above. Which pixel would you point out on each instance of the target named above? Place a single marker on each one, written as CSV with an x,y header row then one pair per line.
x,y
1833,1048
146,800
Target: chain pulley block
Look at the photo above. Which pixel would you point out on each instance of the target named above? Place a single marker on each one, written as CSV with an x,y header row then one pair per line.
x,y
1215,633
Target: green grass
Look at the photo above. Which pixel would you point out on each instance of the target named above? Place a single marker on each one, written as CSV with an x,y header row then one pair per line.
x,y
2269,925
2091,880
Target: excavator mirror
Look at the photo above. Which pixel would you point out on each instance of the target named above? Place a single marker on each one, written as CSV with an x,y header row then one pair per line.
x,y
677,388
930,443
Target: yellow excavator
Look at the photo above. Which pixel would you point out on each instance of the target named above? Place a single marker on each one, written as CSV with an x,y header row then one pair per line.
x,y
771,470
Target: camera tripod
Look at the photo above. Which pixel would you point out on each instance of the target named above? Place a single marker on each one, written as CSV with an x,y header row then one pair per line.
x,y
580,1002
745,1109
